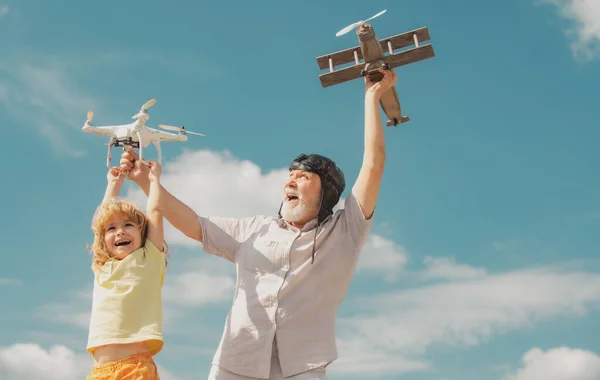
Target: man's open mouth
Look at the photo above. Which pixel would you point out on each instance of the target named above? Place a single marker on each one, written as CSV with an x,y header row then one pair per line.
x,y
291,197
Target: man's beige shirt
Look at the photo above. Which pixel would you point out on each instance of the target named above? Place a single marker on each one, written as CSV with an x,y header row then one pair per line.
x,y
279,293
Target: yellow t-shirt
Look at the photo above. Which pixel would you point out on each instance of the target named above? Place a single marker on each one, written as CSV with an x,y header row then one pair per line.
x,y
127,300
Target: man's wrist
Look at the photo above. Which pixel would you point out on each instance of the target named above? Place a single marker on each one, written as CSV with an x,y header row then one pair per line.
x,y
371,97
144,184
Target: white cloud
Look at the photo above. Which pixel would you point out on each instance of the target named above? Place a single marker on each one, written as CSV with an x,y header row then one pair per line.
x,y
585,32
446,268
25,361
405,324
383,256
4,9
561,363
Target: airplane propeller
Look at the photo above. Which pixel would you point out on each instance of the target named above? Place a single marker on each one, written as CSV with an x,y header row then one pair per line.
x,y
146,105
356,24
178,129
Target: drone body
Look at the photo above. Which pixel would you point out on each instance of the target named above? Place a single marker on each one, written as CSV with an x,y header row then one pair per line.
x,y
371,50
136,134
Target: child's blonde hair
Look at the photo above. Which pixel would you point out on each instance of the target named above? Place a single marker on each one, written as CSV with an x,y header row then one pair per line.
x,y
105,211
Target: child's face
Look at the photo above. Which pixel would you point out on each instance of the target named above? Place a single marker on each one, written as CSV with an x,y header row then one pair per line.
x,y
122,236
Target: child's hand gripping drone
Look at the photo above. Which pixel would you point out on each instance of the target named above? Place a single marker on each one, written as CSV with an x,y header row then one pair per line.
x,y
136,134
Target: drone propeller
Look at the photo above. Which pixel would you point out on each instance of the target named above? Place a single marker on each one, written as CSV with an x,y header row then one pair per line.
x,y
149,104
90,115
356,24
178,129
146,105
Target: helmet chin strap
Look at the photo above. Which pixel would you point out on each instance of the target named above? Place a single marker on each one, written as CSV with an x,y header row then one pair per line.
x,y
317,227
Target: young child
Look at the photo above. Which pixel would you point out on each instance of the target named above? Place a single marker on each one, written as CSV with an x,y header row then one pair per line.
x,y
129,268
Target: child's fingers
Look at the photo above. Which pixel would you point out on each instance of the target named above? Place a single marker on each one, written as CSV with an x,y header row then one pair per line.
x,y
144,163
130,154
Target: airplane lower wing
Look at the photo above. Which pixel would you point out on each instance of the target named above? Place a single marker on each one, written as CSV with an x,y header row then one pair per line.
x,y
393,60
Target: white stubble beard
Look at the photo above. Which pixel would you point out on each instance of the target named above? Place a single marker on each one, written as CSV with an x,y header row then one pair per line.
x,y
294,213
299,211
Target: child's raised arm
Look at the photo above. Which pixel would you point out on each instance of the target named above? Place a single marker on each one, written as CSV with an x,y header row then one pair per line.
x,y
154,207
115,179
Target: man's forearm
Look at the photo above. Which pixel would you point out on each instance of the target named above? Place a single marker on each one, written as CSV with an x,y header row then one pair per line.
x,y
155,197
367,184
374,154
176,212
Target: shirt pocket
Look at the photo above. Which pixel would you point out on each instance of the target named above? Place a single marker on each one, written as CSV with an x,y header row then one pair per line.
x,y
259,255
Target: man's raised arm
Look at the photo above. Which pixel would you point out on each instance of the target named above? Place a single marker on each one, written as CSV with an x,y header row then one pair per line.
x,y
366,188
180,215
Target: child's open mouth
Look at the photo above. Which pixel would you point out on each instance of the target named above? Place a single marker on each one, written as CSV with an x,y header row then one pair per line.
x,y
122,243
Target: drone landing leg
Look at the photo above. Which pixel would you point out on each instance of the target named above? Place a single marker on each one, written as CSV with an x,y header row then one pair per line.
x,y
141,145
108,155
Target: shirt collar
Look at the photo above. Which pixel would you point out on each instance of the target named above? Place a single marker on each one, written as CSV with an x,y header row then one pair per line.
x,y
307,227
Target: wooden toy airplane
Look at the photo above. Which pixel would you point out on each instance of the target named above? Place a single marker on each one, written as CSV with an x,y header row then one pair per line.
x,y
371,50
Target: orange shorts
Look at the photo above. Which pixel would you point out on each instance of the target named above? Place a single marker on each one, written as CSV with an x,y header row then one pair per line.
x,y
134,367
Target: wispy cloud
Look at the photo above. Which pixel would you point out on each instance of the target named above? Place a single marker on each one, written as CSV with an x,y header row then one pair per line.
x,y
446,268
40,92
9,281
585,29
4,9
74,312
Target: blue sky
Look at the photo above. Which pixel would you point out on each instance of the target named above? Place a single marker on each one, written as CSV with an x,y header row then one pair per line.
x,y
482,262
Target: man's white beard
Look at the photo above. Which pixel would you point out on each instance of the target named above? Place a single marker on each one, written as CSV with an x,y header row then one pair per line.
x,y
294,213
299,212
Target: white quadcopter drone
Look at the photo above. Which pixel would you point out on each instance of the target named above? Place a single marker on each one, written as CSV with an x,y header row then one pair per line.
x,y
136,134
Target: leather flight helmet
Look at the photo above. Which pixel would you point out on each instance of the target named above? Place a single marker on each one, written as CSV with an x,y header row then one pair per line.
x,y
333,182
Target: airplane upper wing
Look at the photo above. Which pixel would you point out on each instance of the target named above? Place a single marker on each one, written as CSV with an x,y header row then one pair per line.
x,y
398,41
351,72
